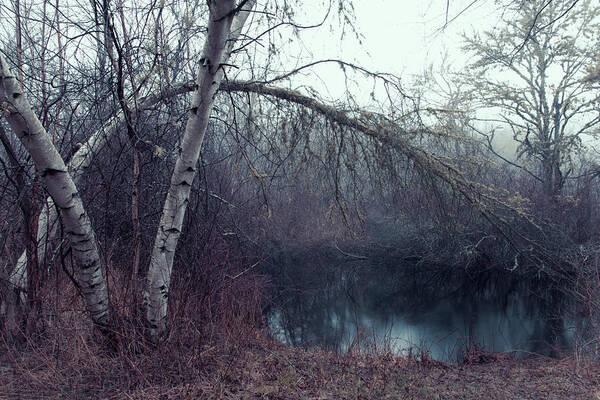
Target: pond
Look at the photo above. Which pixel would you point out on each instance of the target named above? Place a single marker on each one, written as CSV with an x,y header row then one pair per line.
x,y
387,303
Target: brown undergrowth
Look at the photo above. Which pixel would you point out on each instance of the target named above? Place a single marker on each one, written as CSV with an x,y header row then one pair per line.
x,y
219,349
263,369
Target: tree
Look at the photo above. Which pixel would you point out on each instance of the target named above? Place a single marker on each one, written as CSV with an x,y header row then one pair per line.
x,y
532,71
63,191
216,52
217,49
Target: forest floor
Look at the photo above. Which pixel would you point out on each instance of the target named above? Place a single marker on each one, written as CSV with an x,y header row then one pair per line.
x,y
261,368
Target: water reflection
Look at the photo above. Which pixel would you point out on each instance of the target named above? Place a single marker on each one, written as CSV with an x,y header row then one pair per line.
x,y
323,301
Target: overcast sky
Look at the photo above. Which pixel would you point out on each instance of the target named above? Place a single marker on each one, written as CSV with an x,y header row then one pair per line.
x,y
402,37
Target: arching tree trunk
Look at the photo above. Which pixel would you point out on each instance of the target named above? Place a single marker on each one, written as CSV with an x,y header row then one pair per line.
x,y
223,30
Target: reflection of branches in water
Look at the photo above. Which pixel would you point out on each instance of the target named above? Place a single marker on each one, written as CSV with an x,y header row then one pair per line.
x,y
315,318
311,296
330,309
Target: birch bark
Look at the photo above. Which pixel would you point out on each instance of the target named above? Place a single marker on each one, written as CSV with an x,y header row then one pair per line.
x,y
48,218
223,29
61,187
81,160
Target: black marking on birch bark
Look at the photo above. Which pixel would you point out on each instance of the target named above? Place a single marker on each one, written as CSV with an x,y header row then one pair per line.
x,y
16,95
206,63
75,234
51,172
171,231
185,183
191,169
86,267
162,288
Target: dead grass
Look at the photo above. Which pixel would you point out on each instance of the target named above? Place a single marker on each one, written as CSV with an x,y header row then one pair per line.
x,y
259,368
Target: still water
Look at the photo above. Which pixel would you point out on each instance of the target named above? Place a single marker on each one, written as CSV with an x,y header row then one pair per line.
x,y
343,305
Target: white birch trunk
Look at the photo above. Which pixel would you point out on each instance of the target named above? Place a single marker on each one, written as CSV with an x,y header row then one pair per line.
x,y
47,226
48,218
81,160
61,187
222,33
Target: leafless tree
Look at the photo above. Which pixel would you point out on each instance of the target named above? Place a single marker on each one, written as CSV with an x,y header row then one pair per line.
x,y
532,70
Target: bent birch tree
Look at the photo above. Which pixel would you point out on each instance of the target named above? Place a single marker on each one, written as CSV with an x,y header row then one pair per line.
x,y
48,218
62,189
225,24
77,166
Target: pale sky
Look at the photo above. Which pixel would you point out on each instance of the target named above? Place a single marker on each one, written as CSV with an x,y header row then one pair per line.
x,y
402,37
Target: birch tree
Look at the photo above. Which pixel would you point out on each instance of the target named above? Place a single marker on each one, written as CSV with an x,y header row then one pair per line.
x,y
225,24
78,165
63,191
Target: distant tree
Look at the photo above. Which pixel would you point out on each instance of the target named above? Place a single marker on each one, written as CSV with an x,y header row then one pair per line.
x,y
533,71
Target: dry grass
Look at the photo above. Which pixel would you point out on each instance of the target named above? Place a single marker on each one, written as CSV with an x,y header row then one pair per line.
x,y
263,369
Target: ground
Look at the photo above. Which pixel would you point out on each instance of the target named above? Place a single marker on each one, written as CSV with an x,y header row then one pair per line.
x,y
260,368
